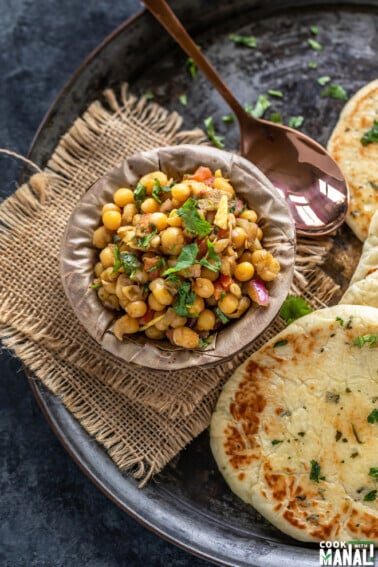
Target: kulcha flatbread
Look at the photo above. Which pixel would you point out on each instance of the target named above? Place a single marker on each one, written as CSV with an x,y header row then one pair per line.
x,y
358,163
363,287
295,430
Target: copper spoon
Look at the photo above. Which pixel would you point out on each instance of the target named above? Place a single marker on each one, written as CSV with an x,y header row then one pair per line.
x,y
300,168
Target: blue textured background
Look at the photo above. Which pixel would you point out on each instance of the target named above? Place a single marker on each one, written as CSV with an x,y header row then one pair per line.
x,y
50,513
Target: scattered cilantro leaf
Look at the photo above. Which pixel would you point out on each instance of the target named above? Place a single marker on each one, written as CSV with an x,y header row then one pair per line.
x,y
361,340
192,220
276,118
246,40
149,95
95,285
370,496
276,441
174,278
312,65
314,30
296,121
315,45
373,416
260,107
144,241
280,343
373,472
204,342
315,471
191,66
335,91
117,259
275,93
130,263
228,118
221,316
373,185
217,140
186,258
371,136
212,255
185,299
140,193
293,308
340,321
183,99
158,189
324,80
161,263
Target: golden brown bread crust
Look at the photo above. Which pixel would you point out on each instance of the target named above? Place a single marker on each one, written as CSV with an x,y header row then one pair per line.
x,y
358,163
306,400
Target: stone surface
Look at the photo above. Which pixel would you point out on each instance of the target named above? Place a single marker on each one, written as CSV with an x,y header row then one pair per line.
x,y
50,513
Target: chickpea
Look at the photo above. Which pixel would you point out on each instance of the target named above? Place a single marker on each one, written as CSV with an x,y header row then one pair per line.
x,y
244,271
181,191
246,256
197,306
228,304
129,212
154,333
185,337
266,265
172,240
235,290
203,287
238,237
111,220
149,180
160,292
259,234
101,237
174,219
149,205
206,320
108,276
159,220
209,274
107,258
154,304
220,245
109,300
136,219
131,292
227,265
140,276
125,325
223,185
136,309
249,214
123,196
110,207
98,269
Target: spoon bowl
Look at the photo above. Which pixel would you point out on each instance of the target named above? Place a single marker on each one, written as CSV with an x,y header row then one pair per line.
x,y
299,167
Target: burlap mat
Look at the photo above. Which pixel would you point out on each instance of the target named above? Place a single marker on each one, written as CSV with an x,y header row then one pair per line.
x,y
143,418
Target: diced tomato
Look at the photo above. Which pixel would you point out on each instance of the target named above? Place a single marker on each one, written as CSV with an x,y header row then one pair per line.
x,y
203,174
225,281
218,289
202,247
221,285
147,317
150,262
223,233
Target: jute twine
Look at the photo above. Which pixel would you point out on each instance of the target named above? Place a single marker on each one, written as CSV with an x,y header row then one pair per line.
x,y
142,418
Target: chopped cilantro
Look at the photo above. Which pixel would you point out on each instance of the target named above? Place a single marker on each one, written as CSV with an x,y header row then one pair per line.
x,y
361,340
191,66
315,471
314,30
158,189
159,264
149,95
117,259
204,342
187,258
221,316
324,80
371,136
218,141
373,185
140,193
174,278
275,93
312,64
370,496
276,441
293,308
276,117
373,416
280,343
315,45
246,40
228,118
192,220
373,472
212,255
296,121
335,91
340,321
144,241
185,299
260,107
130,263
183,99
95,285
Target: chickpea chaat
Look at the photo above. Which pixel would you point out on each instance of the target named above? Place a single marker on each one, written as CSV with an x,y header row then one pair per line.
x,y
180,259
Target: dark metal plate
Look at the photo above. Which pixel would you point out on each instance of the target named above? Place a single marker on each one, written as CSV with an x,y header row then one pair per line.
x,y
189,504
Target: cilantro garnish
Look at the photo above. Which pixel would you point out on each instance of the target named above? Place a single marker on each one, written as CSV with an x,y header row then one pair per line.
x,y
280,343
315,471
217,140
335,91
185,299
212,255
314,30
221,316
228,118
373,472
361,340
140,192
293,308
130,263
260,107
149,95
370,496
296,121
144,241
183,99
324,80
275,93
312,64
340,321
373,185
373,416
371,136
191,66
204,342
187,258
174,278
315,45
158,189
276,441
192,220
95,285
276,118
159,264
246,40
117,259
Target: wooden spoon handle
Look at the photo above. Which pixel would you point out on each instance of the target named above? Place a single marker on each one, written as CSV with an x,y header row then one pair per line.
x,y
164,15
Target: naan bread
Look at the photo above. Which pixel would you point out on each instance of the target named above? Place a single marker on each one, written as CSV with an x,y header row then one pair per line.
x,y
302,402
358,163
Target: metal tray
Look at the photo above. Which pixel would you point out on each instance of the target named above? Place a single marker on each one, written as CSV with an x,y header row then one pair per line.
x,y
189,504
